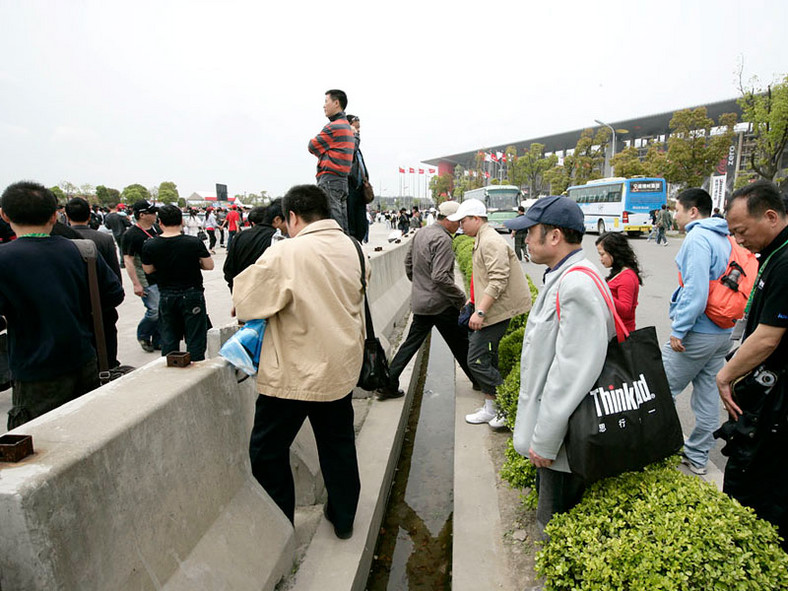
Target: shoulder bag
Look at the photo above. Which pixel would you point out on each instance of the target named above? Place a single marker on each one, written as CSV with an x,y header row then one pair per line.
x,y
628,420
374,368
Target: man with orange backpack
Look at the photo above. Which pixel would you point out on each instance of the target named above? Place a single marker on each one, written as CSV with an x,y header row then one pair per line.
x,y
699,338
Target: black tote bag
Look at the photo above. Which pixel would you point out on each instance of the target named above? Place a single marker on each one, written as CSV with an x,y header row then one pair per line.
x,y
628,420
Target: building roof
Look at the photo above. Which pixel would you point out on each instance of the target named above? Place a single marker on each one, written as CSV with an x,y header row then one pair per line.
x,y
647,126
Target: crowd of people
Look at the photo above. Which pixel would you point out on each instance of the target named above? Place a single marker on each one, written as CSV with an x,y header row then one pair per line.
x,y
296,267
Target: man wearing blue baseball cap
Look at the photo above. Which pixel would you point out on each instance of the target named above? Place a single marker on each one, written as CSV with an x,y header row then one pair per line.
x,y
561,360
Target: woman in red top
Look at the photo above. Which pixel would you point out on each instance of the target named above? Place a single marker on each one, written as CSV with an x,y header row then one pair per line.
x,y
624,280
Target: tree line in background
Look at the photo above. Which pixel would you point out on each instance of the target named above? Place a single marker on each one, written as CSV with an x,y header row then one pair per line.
x,y
166,192
694,148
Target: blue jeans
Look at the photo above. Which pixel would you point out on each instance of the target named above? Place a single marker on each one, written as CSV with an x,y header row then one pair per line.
x,y
148,328
182,315
661,236
699,364
336,189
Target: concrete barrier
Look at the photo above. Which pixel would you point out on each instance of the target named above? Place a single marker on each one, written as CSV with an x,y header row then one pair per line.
x,y
143,484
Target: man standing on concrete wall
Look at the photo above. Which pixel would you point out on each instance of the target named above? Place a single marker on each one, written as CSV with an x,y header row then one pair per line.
x,y
501,293
561,360
334,147
309,289
435,297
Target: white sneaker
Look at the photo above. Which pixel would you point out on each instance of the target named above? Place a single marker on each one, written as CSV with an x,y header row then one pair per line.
x,y
499,422
482,415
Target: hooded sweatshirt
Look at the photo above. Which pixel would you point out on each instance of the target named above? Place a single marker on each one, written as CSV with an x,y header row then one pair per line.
x,y
703,257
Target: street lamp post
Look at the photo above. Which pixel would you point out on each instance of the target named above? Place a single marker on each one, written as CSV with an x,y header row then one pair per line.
x,y
609,163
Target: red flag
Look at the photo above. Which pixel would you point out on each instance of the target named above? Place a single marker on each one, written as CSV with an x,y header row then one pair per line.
x,y
401,170
421,171
486,175
411,171
493,157
432,171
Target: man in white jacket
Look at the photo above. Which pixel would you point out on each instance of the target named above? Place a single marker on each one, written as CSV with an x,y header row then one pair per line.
x,y
560,360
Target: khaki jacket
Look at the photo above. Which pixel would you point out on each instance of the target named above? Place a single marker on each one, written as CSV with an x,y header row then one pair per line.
x,y
309,290
497,272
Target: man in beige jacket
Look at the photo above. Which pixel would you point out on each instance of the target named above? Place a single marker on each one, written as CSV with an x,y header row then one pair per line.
x,y
309,289
501,293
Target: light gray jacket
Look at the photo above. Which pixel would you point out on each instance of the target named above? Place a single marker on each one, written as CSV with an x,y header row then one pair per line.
x,y
561,360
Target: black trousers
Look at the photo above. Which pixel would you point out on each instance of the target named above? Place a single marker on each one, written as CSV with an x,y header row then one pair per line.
x,y
456,337
277,422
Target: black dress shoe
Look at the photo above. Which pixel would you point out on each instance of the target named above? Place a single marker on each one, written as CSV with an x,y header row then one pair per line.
x,y
388,392
340,533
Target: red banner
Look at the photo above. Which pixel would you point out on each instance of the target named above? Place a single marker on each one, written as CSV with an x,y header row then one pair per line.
x,y
421,171
432,171
411,171
401,170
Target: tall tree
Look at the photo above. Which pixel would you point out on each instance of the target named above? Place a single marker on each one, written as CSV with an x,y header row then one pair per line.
x,y
767,113
441,187
529,169
168,192
133,193
693,152
69,189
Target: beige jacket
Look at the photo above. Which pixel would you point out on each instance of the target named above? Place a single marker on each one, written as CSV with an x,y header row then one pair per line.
x,y
309,289
497,272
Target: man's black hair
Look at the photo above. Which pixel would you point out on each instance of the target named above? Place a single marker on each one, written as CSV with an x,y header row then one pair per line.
x,y
273,211
78,210
309,202
761,196
696,198
170,215
257,215
338,95
351,118
28,204
571,236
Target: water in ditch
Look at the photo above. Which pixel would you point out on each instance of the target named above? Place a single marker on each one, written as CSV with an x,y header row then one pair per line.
x,y
414,546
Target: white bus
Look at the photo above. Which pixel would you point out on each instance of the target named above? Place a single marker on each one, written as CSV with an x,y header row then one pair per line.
x,y
506,197
619,204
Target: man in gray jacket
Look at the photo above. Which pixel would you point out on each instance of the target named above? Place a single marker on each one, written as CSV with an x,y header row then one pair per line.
x,y
561,360
435,297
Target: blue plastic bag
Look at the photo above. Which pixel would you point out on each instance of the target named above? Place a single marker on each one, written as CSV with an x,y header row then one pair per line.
x,y
243,348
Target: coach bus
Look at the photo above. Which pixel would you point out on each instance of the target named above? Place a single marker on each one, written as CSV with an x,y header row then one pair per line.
x,y
619,204
496,197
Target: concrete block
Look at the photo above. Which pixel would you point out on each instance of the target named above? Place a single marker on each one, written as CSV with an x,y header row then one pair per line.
x,y
142,484
217,336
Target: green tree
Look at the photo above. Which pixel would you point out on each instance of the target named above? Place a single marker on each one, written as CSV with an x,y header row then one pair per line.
x,y
588,159
69,189
529,169
133,193
441,187
627,163
558,178
693,152
168,192
59,194
106,195
767,113
88,192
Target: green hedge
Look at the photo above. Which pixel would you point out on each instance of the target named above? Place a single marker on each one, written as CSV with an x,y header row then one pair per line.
x,y
660,529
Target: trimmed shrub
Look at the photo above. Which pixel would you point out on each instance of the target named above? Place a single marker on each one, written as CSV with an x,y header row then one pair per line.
x,y
508,393
660,529
520,473
510,349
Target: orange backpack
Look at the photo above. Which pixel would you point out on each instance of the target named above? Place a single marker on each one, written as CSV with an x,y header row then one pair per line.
x,y
728,293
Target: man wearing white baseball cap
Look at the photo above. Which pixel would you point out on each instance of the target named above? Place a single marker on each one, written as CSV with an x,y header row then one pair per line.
x,y
500,293
435,298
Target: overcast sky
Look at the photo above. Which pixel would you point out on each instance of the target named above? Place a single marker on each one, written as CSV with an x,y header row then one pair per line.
x,y
116,93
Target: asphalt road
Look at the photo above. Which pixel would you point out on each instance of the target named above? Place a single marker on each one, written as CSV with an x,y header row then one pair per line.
x,y
656,261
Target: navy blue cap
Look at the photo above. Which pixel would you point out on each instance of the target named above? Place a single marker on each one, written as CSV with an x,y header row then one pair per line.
x,y
554,211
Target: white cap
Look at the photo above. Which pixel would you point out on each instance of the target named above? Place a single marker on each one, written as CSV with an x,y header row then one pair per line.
x,y
447,208
468,207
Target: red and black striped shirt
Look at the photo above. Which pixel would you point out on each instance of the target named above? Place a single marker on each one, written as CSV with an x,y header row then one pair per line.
x,y
334,147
